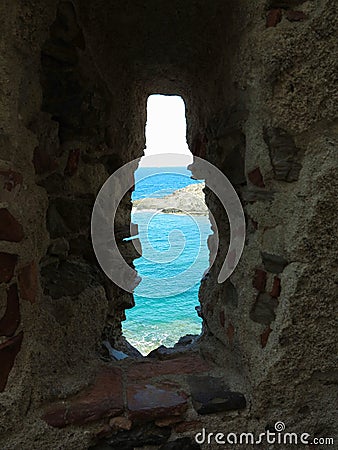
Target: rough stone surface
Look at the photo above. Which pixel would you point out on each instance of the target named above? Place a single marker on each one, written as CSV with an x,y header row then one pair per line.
x,y
8,351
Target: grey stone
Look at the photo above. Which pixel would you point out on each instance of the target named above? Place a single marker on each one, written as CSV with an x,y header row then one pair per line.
x,y
263,310
210,395
59,247
69,278
185,443
273,263
284,155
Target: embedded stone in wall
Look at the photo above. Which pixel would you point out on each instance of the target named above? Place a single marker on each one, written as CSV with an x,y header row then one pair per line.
x,y
273,263
284,155
8,352
265,336
73,162
7,265
66,215
11,319
230,333
10,182
276,287
259,281
147,402
263,310
28,282
273,17
230,294
210,395
295,16
10,229
69,278
256,177
43,162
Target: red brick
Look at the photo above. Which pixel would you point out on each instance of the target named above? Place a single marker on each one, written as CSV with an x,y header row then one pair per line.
x,y
73,162
10,228
295,16
148,402
7,266
222,318
259,281
231,333
256,177
28,282
182,365
274,17
8,353
11,319
276,288
43,162
265,336
103,399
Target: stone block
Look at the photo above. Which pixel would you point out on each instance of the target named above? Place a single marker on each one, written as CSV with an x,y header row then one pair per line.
x,y
210,395
259,281
273,17
7,265
10,229
273,263
263,310
28,282
256,177
147,402
11,319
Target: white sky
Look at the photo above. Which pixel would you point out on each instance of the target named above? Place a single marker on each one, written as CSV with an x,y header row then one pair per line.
x,y
166,132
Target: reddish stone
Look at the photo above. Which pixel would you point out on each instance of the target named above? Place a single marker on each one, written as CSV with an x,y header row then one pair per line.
x,y
8,352
73,162
265,336
274,17
192,425
10,180
148,402
11,319
230,332
222,318
120,423
182,365
10,229
168,421
103,399
28,282
43,162
276,288
256,178
295,16
259,281
7,266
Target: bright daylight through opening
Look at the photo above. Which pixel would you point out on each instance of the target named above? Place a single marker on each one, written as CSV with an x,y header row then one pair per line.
x,y
170,211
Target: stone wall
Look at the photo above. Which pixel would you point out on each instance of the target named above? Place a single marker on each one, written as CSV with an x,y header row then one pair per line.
x,y
257,78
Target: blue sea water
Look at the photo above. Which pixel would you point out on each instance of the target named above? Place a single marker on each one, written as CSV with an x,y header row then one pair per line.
x,y
174,258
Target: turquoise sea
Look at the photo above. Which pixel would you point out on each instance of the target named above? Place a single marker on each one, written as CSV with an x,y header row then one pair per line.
x,y
174,258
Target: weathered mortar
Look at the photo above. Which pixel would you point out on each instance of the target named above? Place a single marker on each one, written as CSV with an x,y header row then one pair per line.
x,y
259,91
